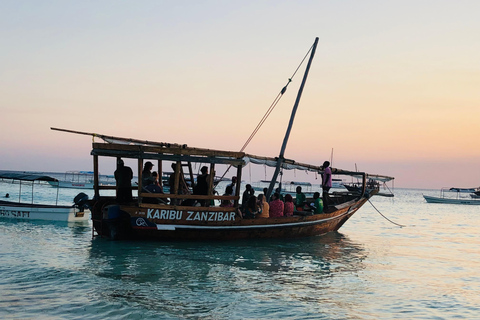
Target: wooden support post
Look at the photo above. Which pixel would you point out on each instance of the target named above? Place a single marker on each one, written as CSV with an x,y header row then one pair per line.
x,y
95,177
140,169
160,172
211,178
239,182
178,172
190,171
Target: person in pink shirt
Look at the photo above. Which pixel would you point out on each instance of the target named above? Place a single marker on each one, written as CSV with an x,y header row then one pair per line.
x,y
326,182
288,206
276,206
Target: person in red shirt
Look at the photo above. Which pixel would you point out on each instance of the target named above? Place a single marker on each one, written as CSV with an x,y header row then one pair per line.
x,y
288,206
276,206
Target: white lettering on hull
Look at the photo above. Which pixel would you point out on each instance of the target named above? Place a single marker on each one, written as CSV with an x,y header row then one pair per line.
x,y
14,213
190,216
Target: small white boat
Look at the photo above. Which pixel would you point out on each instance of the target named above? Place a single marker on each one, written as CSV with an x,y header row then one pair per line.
x,y
453,196
34,211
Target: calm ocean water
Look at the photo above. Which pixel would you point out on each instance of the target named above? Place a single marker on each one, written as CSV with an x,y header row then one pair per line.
x,y
371,269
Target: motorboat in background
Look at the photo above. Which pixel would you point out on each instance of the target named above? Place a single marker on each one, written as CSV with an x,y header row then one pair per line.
x,y
75,179
36,211
454,196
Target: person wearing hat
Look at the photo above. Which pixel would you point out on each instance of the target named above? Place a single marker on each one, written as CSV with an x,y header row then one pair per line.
x,y
147,177
123,177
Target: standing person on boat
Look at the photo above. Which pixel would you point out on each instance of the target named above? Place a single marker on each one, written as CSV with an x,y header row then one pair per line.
x,y
288,206
147,177
262,203
249,192
326,182
123,177
201,188
276,206
300,199
233,184
252,209
182,185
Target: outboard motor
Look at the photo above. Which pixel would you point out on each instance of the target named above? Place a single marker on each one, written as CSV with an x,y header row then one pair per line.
x,y
81,201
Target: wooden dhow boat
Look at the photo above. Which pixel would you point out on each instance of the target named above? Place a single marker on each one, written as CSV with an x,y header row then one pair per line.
x,y
183,216
40,211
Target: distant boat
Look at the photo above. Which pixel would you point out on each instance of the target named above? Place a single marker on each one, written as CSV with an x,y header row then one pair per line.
x,y
373,183
453,196
34,211
79,180
476,192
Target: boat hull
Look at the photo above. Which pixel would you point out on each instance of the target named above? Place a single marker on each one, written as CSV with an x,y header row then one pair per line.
x,y
196,223
42,212
431,199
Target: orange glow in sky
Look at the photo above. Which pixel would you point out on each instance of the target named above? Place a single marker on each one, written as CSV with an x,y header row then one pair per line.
x,y
393,89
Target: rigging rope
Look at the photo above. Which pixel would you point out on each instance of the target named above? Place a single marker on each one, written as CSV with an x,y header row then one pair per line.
x,y
270,109
274,104
400,225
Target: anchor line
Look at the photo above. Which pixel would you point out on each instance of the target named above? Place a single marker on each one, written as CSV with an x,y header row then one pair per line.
x,y
400,225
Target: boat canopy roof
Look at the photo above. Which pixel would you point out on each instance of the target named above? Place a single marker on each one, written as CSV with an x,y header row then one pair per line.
x,y
293,165
25,176
466,190
144,149
183,153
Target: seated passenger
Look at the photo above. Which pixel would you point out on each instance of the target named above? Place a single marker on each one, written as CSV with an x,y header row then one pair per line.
x,y
156,181
228,192
252,209
147,177
276,206
153,188
280,195
288,206
264,205
153,184
317,205
299,199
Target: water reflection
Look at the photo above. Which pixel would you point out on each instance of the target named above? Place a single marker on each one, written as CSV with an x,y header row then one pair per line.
x,y
191,277
263,255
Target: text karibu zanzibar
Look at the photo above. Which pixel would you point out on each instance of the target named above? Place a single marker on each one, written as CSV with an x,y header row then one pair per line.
x,y
190,215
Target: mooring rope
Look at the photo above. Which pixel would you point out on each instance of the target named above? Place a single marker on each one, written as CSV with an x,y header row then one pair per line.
x,y
400,225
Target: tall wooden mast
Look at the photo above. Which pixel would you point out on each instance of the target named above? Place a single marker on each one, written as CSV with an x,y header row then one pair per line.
x,y
290,124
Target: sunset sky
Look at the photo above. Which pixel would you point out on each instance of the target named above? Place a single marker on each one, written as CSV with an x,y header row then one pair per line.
x,y
394,88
